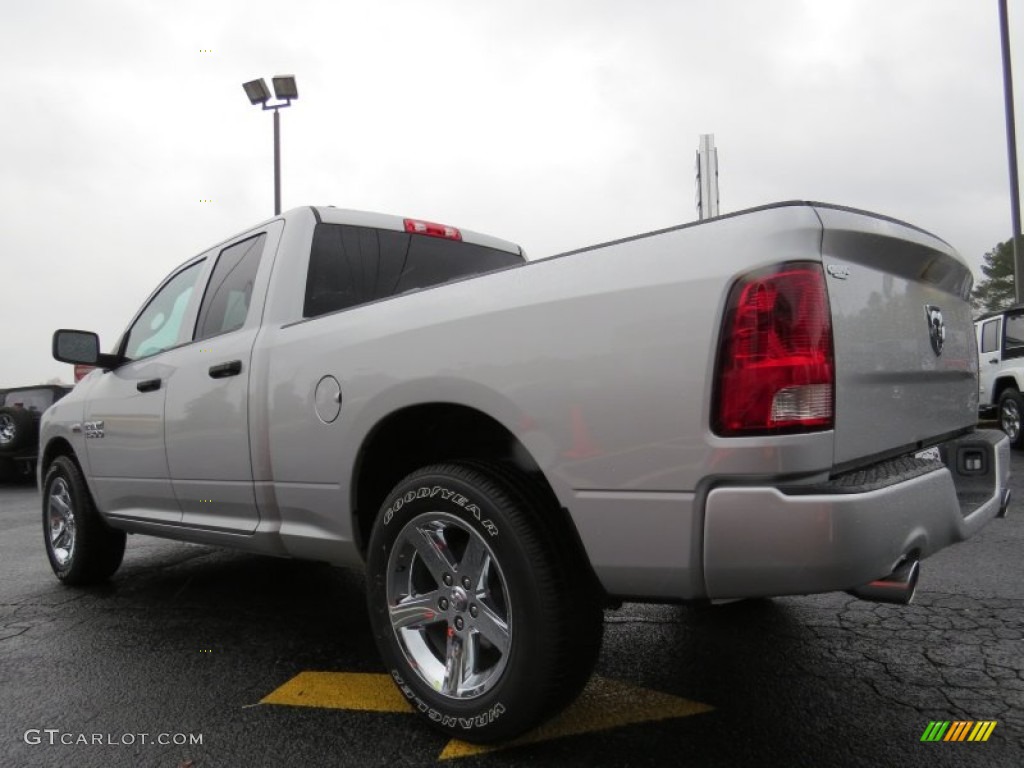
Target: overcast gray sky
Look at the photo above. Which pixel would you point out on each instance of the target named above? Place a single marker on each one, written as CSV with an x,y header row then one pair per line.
x,y
553,124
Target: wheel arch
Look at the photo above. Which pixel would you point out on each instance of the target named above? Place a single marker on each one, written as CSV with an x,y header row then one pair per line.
x,y
58,446
1002,383
431,433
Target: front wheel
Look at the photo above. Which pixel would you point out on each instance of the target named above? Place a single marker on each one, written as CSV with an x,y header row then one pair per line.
x,y
474,609
1011,414
82,549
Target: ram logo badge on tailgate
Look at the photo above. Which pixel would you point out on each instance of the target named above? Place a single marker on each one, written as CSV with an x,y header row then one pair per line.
x,y
936,327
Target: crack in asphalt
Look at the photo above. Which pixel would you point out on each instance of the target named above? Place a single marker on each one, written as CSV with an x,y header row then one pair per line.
x,y
6,631
946,656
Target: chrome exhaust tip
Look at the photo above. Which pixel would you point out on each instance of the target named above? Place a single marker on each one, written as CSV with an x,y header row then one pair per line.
x,y
898,587
1004,505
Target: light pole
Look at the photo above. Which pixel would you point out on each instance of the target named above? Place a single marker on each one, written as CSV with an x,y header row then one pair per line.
x,y
1011,151
285,90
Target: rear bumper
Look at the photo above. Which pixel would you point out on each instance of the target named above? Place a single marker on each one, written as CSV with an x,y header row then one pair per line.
x,y
762,541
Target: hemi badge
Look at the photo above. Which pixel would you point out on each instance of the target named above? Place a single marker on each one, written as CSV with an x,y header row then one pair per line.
x,y
838,271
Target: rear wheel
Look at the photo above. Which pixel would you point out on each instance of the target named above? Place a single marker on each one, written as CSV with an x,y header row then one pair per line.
x,y
475,609
82,549
1011,415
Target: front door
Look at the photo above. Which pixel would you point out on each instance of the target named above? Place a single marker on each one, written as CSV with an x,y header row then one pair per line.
x,y
124,416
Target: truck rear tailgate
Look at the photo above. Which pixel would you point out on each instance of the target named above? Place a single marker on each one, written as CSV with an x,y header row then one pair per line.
x,y
905,363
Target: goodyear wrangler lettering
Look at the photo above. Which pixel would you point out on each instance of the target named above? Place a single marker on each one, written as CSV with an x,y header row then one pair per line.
x,y
429,492
466,723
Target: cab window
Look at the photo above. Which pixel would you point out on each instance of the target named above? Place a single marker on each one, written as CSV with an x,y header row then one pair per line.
x,y
159,326
229,292
350,265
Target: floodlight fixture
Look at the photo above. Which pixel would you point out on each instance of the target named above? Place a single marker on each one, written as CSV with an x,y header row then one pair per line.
x,y
257,91
285,90
285,87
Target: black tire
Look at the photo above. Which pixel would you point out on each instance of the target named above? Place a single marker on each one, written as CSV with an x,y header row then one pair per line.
x,y
527,622
584,626
81,547
8,472
19,430
1011,416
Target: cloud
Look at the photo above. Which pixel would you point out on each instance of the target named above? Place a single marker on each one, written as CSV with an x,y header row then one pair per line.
x,y
555,125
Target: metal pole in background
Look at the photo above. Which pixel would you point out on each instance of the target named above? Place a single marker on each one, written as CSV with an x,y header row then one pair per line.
x,y
707,177
276,164
1011,150
285,90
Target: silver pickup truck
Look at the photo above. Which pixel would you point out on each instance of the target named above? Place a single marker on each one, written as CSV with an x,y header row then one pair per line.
x,y
776,402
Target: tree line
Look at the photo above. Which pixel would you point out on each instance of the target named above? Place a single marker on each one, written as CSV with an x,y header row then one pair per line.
x,y
995,290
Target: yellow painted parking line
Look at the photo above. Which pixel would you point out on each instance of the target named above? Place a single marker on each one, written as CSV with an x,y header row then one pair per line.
x,y
341,690
604,704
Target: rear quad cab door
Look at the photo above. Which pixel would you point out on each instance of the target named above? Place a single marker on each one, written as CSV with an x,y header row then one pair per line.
x,y
124,415
207,408
990,334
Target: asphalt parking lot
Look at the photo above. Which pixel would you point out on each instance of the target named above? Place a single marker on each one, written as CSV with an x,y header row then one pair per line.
x,y
198,657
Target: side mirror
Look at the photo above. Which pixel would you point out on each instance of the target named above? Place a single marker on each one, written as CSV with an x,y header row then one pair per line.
x,y
80,347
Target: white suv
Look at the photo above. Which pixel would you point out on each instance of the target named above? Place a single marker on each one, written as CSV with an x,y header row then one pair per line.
x,y
1001,369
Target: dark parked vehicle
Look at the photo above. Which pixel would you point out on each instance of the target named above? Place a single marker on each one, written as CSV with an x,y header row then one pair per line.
x,y
20,410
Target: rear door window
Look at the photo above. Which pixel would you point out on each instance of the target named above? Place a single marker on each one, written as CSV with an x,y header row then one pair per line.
x,y
229,292
990,335
1013,336
349,266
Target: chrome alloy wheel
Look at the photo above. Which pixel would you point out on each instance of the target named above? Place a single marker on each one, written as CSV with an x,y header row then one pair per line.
x,y
1010,418
7,428
449,605
60,522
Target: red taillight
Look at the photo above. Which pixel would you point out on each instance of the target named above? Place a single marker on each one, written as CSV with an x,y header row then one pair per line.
x,y
430,228
775,370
